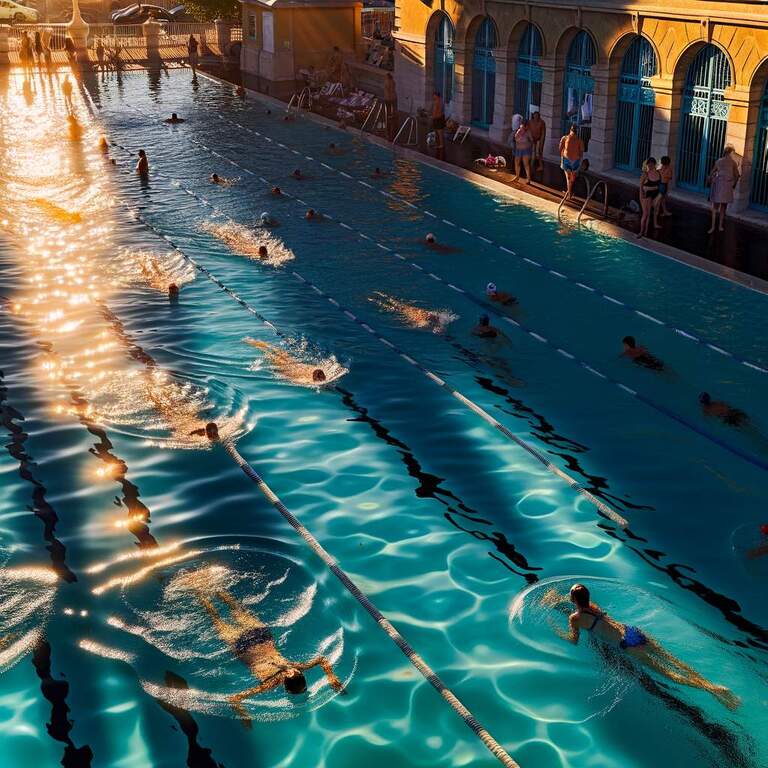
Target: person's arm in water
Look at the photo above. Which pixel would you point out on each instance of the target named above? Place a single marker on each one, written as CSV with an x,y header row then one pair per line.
x,y
321,661
553,599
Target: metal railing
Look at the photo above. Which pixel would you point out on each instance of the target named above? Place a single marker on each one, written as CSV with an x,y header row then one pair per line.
x,y
378,22
599,183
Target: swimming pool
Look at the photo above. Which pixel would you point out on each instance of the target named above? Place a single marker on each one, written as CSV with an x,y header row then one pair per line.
x,y
441,519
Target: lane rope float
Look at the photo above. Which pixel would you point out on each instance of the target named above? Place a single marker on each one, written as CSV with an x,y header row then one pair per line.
x,y
749,458
603,508
414,658
752,365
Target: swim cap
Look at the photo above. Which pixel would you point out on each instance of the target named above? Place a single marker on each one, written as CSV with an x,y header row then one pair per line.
x,y
490,289
430,238
764,529
264,217
704,398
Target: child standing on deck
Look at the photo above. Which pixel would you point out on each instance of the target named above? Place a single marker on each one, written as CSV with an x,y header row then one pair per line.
x,y
665,170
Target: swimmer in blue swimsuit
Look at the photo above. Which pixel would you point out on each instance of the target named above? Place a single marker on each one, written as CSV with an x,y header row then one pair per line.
x,y
252,642
642,648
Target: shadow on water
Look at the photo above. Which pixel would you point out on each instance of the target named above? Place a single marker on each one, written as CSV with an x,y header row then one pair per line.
x,y
40,506
55,691
197,756
431,486
718,735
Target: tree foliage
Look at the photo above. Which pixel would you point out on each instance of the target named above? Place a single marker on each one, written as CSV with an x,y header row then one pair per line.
x,y
208,10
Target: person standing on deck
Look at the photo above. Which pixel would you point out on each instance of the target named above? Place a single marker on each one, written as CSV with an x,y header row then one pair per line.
x,y
523,151
538,130
390,104
571,154
192,47
100,55
438,123
724,178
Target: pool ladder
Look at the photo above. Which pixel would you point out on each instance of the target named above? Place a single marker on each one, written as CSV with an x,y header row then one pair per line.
x,y
409,130
591,191
302,100
377,117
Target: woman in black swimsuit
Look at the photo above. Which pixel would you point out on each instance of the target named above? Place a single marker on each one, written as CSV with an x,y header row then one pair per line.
x,y
252,642
650,195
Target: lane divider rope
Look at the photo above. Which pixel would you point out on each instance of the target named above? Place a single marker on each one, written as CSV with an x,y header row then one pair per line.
x,y
415,659
755,461
629,307
479,411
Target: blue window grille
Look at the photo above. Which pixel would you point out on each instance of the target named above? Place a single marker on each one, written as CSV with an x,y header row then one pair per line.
x,y
444,58
484,73
634,118
759,194
579,86
528,75
704,117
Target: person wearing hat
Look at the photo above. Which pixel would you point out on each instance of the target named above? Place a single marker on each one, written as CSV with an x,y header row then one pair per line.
x,y
500,297
430,241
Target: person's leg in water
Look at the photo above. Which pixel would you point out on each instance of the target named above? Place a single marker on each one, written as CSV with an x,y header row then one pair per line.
x,y
655,657
229,633
239,613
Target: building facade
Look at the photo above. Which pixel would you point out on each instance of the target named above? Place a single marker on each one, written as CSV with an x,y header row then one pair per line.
x,y
683,78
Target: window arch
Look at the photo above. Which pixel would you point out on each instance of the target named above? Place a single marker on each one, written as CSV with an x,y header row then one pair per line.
x,y
759,193
579,86
528,74
484,73
704,117
636,100
442,73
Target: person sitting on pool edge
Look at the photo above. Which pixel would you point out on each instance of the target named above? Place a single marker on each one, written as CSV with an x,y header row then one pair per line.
x,y
142,167
252,643
500,297
734,417
640,355
484,329
174,119
642,648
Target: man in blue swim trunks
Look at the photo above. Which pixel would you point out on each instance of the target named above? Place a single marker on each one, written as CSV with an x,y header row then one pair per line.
x,y
571,154
644,649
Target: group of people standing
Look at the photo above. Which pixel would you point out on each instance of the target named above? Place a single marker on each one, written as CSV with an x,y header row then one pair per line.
x,y
36,50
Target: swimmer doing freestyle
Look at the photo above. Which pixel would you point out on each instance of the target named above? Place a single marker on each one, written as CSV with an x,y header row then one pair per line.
x,y
641,647
414,316
252,643
640,355
287,365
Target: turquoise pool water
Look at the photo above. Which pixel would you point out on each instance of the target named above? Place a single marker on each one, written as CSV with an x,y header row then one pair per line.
x,y
108,504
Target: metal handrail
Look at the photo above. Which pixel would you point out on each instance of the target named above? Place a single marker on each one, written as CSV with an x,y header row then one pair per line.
x,y
565,194
376,109
591,194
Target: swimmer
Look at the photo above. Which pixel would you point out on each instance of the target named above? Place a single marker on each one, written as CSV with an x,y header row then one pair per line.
x,y
263,253
289,117
762,548
215,178
640,355
378,173
288,366
430,241
638,645
734,417
240,91
173,293
265,221
210,430
174,119
484,329
252,643
297,174
276,192
142,167
268,112
416,317
313,215
334,150
500,297
103,144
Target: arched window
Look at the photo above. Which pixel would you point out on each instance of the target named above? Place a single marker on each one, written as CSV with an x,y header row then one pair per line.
x,y
443,64
634,119
704,117
484,73
579,86
759,194
528,75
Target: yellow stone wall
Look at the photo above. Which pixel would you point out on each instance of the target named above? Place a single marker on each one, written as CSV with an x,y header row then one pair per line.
x,y
677,30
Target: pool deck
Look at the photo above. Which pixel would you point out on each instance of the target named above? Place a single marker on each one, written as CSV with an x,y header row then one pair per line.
x,y
535,199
